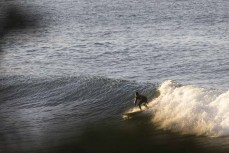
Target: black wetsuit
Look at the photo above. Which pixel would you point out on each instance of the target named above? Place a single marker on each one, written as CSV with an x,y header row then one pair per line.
x,y
142,100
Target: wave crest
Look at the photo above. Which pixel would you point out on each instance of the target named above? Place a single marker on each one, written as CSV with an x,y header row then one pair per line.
x,y
192,110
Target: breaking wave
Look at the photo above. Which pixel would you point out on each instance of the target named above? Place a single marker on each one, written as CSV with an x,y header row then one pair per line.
x,y
191,109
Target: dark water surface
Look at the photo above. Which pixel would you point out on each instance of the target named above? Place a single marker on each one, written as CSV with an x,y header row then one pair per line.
x,y
65,86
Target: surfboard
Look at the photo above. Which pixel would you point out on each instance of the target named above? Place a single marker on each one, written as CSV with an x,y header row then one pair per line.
x,y
133,113
130,115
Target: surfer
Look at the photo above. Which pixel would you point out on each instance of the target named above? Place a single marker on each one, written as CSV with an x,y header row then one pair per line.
x,y
142,100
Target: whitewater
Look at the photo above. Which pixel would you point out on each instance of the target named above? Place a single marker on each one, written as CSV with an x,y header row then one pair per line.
x,y
191,109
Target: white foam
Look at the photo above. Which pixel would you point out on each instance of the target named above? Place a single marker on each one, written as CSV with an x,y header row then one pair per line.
x,y
192,110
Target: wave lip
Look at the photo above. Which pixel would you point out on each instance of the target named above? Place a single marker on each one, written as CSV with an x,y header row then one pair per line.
x,y
191,109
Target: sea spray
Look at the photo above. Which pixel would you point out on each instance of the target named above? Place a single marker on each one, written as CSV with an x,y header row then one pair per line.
x,y
191,109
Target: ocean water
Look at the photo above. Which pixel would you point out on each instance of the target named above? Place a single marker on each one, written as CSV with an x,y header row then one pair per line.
x,y
65,85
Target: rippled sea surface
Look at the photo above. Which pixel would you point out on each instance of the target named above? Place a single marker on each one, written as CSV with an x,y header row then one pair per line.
x,y
65,85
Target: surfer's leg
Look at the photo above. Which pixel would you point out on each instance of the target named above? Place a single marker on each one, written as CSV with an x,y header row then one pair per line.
x,y
146,105
139,105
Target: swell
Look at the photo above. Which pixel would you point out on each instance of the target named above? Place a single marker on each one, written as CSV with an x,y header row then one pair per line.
x,y
40,110
78,99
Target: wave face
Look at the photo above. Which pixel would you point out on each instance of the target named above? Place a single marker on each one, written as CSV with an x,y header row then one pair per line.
x,y
45,110
37,111
192,110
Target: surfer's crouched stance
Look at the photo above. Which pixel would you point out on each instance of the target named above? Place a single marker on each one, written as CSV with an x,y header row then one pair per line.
x,y
142,100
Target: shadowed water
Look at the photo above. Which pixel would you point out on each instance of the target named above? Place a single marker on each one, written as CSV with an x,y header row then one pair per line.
x,y
64,86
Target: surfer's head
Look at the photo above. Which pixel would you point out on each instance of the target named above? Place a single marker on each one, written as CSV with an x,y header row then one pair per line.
x,y
136,93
